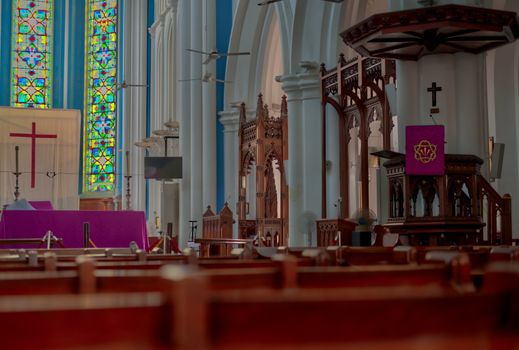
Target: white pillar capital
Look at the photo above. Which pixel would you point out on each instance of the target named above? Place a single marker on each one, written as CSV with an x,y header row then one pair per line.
x,y
171,5
230,120
301,86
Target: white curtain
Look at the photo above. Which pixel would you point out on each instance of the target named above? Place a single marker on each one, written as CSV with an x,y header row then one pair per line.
x,y
56,159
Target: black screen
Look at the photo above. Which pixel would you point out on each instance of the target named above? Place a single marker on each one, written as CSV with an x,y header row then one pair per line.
x,y
162,167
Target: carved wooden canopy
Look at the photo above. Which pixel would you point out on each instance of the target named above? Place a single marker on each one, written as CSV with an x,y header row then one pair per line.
x,y
411,34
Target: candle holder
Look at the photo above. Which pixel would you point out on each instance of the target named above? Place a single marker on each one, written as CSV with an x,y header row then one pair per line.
x,y
17,174
16,186
128,192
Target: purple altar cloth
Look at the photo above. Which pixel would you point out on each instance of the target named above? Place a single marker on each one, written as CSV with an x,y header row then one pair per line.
x,y
108,229
41,205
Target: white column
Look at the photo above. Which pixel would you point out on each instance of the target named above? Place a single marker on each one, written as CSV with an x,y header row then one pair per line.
x,y
333,181
294,165
183,109
170,206
507,123
171,196
155,190
469,105
134,100
304,156
312,149
439,69
407,98
196,113
209,112
230,121
460,77
169,61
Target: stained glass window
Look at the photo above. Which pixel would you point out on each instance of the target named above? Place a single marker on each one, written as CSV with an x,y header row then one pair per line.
x,y
31,56
100,95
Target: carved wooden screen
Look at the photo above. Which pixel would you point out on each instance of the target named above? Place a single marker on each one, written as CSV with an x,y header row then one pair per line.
x,y
263,142
355,89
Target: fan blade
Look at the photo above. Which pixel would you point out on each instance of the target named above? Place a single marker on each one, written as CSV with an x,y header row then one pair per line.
x,y
267,2
235,53
223,81
198,51
189,79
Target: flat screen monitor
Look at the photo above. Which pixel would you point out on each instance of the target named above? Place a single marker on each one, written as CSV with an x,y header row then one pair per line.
x,y
162,168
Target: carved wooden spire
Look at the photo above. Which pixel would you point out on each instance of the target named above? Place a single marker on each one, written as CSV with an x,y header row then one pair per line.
x,y
342,60
284,107
259,107
266,111
243,113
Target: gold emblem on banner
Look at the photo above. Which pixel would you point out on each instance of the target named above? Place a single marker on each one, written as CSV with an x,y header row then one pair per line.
x,y
425,151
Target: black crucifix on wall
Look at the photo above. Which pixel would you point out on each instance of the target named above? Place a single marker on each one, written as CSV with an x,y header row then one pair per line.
x,y
434,89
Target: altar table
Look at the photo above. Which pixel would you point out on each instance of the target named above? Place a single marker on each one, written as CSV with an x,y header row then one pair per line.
x,y
108,229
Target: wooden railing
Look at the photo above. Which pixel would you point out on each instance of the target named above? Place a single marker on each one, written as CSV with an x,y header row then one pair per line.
x,y
498,216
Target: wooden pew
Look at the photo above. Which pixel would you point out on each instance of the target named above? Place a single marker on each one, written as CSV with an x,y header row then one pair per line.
x,y
351,256
185,316
281,272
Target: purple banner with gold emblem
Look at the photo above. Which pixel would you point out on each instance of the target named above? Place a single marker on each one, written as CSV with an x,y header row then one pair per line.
x,y
425,151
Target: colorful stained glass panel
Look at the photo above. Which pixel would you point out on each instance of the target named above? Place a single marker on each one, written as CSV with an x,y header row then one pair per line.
x,y
31,56
100,101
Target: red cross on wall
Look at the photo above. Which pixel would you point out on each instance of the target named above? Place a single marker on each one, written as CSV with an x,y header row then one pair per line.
x,y
33,137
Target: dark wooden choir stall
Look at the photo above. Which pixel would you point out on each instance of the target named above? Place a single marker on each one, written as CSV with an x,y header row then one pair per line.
x,y
355,89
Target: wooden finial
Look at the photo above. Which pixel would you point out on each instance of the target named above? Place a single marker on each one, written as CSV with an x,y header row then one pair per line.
x,y
323,69
243,113
208,212
284,107
342,60
259,107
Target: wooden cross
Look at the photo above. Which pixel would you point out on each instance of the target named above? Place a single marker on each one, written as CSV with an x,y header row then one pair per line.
x,y
434,89
33,137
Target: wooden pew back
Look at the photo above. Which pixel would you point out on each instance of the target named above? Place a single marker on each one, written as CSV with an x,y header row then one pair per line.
x,y
186,316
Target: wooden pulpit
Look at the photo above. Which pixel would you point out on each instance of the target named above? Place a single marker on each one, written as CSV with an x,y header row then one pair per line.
x,y
446,209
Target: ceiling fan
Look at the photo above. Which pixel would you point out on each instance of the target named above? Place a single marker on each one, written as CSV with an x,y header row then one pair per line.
x,y
208,78
273,1
214,55
124,85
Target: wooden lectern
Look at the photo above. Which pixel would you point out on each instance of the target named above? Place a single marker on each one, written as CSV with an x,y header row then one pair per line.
x,y
327,230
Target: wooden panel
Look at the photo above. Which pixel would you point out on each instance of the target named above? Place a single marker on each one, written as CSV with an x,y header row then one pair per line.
x,y
96,204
